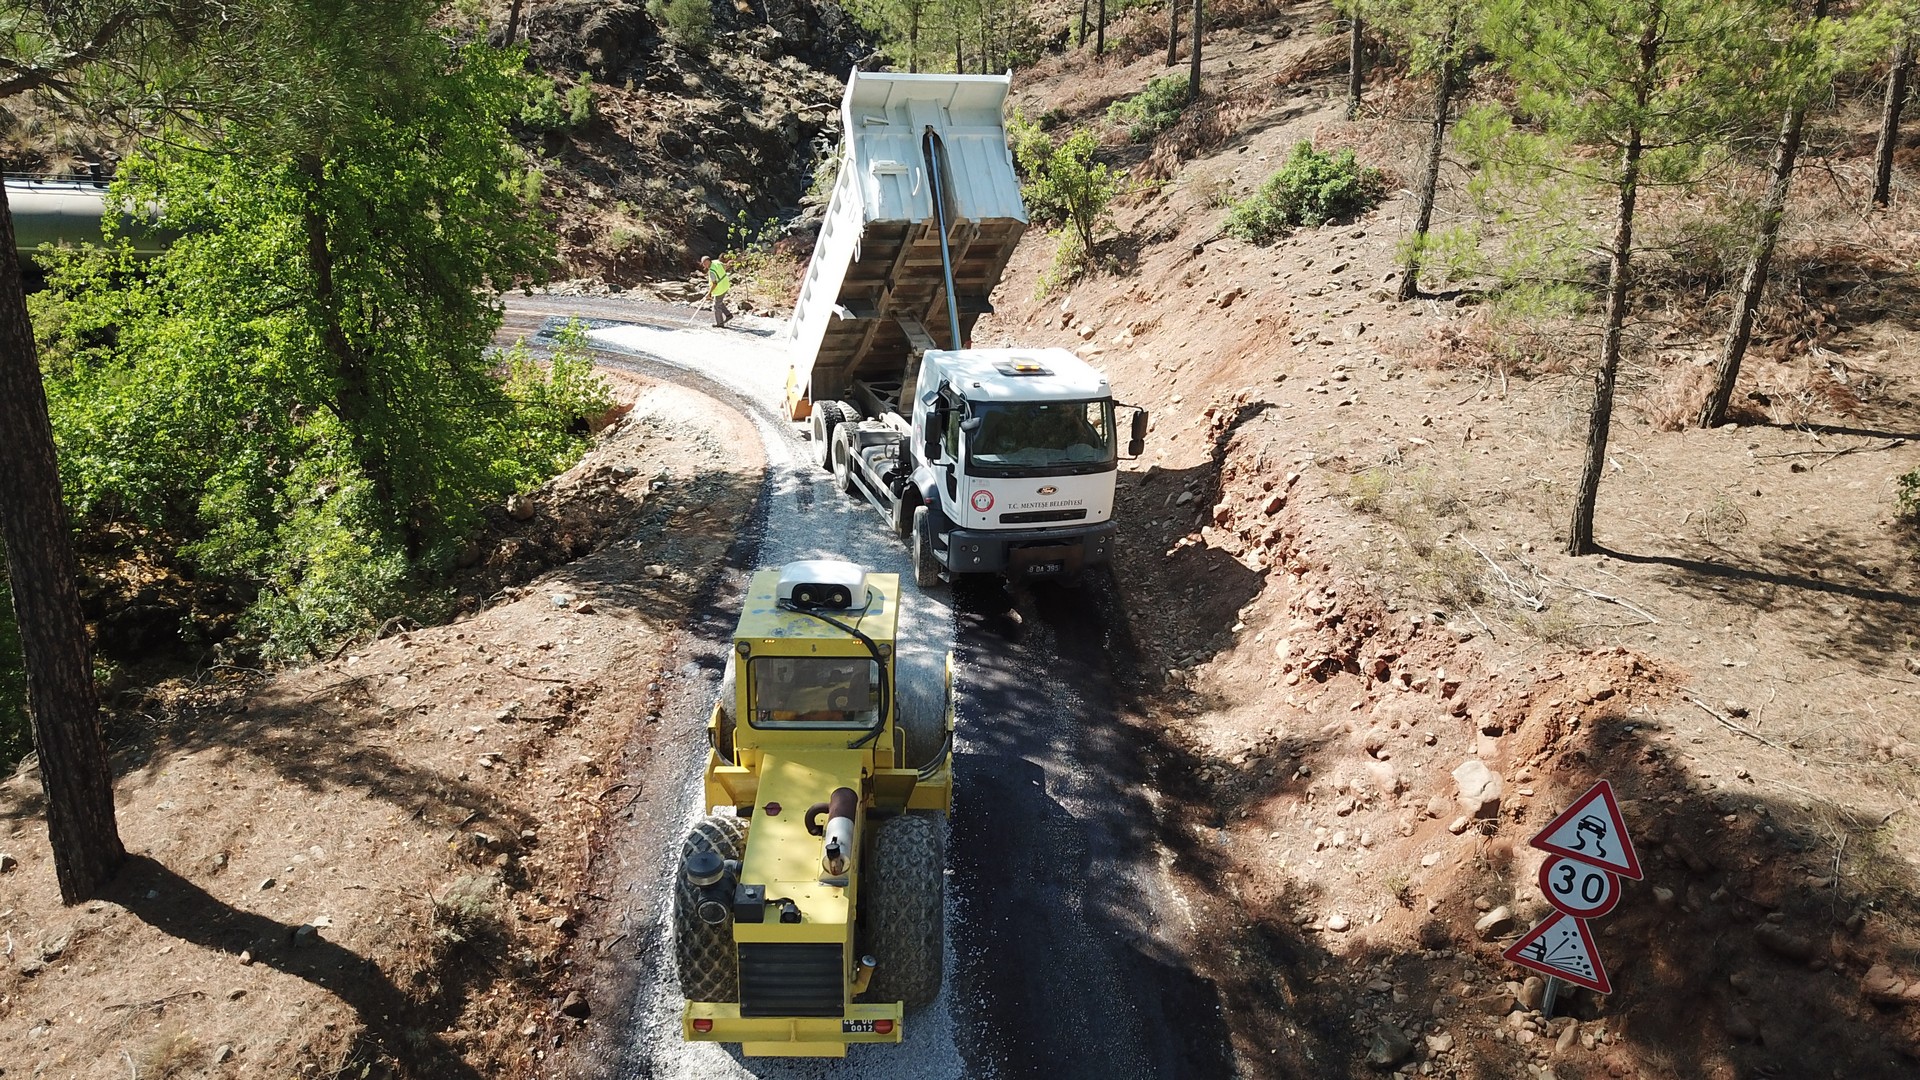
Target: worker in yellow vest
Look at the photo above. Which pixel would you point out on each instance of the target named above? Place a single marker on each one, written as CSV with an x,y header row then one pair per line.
x,y
719,283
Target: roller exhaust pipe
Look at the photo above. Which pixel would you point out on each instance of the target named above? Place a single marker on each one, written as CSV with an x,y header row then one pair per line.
x,y
836,847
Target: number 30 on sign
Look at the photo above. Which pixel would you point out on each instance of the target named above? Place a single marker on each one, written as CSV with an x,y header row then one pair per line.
x,y
1579,889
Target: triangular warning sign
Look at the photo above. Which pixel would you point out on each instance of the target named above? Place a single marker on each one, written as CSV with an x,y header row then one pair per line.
x,y
1563,947
1592,831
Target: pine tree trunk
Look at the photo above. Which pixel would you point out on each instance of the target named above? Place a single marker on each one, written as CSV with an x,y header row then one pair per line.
x,y
1173,32
355,401
1082,41
1759,261
1193,62
1356,55
1100,32
61,698
1620,251
1890,121
513,22
913,43
1430,179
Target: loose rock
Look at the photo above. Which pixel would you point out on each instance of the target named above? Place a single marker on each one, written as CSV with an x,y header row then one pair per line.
x,y
1479,788
1388,1047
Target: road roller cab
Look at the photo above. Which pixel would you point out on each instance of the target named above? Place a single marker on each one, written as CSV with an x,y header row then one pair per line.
x,y
808,903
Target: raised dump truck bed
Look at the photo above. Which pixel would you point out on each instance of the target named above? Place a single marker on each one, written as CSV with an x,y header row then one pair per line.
x,y
875,291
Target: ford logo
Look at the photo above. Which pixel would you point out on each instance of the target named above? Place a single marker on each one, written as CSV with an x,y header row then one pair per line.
x,y
1048,490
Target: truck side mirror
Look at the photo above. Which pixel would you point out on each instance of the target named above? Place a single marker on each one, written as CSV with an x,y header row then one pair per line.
x,y
1137,437
936,432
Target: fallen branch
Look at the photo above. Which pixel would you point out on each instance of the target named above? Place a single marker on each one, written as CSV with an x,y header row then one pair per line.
x,y
1525,598
1636,609
156,1002
1828,455
1739,728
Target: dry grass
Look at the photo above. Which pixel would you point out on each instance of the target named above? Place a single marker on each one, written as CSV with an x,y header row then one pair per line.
x,y
1203,127
1673,402
171,1053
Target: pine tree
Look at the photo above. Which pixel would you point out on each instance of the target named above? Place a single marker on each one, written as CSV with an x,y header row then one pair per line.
x,y
1652,83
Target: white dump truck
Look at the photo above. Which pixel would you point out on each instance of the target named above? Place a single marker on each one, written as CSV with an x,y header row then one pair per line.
x,y
994,461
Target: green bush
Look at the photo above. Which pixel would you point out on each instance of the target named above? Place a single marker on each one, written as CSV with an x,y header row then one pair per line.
x,y
549,110
1062,183
1909,497
688,23
1312,188
1153,110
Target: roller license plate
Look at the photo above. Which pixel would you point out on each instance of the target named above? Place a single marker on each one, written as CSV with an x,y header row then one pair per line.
x,y
1040,569
857,1027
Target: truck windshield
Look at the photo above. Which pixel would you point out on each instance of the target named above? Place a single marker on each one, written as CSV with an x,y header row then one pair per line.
x,y
814,691
1041,437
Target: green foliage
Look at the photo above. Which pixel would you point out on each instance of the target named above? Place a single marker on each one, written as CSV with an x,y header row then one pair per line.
x,y
1312,188
1908,499
298,396
687,23
548,110
1154,109
1064,186
760,267
552,402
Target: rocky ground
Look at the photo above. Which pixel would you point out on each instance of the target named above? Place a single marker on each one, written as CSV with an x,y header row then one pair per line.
x,y
1355,596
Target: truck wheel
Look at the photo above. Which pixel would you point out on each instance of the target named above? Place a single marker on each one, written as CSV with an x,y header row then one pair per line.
x,y
905,924
922,718
843,462
827,415
709,970
926,565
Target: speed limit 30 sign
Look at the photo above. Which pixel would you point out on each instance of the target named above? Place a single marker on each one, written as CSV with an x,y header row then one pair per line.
x,y
1580,889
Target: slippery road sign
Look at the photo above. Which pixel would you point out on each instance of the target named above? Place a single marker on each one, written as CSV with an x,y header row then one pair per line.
x,y
1580,889
1563,948
1592,831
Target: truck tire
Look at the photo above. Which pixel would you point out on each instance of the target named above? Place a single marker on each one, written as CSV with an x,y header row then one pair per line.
x,y
709,968
926,564
922,719
902,895
827,415
843,462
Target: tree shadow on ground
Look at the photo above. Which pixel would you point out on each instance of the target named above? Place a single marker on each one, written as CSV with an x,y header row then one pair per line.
x,y
395,1031
1868,625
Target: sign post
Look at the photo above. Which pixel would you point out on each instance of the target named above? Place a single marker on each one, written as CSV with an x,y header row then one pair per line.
x,y
1589,845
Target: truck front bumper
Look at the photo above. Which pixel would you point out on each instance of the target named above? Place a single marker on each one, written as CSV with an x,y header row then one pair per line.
x,y
791,1036
1029,553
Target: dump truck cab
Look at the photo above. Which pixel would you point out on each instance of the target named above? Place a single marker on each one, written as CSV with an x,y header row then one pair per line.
x,y
808,908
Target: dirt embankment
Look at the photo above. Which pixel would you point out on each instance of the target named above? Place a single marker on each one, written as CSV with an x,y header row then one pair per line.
x,y
381,862
1345,564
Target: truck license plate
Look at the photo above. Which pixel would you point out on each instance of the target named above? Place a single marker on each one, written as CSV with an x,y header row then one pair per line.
x,y
856,1027
1038,569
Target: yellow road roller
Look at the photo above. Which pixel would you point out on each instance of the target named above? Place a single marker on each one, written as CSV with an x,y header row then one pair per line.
x,y
808,902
